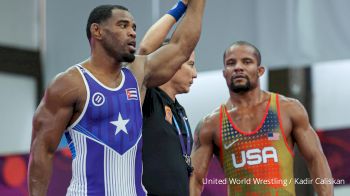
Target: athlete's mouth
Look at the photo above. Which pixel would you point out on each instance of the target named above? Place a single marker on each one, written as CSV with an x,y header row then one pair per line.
x,y
132,46
240,76
132,43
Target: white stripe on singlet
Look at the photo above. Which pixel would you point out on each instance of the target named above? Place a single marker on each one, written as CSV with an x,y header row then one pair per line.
x,y
78,184
119,173
119,170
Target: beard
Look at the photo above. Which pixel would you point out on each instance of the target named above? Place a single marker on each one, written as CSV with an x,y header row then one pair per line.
x,y
113,51
120,57
128,57
240,88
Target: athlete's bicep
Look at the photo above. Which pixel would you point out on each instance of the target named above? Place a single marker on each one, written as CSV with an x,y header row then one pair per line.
x,y
304,135
162,64
53,115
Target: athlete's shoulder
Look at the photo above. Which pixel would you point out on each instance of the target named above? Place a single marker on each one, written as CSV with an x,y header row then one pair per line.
x,y
66,85
211,121
288,102
292,107
68,79
213,116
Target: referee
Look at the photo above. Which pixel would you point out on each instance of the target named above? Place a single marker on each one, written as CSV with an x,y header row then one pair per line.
x,y
167,137
165,170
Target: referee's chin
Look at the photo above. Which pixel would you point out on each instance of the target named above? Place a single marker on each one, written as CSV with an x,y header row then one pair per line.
x,y
184,91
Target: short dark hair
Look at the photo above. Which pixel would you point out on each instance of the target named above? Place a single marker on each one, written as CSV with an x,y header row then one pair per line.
x,y
100,14
245,43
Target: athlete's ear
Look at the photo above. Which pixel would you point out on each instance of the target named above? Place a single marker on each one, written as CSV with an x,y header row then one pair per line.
x,y
261,70
95,30
224,73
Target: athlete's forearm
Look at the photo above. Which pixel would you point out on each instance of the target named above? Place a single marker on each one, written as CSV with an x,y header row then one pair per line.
x,y
320,173
188,31
195,186
156,35
39,172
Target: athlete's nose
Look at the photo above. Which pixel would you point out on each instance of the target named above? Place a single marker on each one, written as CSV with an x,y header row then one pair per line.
x,y
238,67
132,33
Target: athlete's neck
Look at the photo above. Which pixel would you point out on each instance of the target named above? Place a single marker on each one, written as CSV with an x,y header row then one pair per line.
x,y
103,65
107,73
249,98
101,61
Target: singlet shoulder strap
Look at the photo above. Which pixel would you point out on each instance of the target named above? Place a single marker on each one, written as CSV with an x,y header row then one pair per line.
x,y
80,67
273,102
222,113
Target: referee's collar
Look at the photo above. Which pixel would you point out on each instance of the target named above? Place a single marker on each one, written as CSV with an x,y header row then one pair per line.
x,y
168,101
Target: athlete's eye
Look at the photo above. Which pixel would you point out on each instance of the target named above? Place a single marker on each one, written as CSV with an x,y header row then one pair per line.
x,y
122,25
247,61
230,62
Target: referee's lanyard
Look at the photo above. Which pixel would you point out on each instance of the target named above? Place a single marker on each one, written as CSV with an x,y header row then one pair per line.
x,y
185,151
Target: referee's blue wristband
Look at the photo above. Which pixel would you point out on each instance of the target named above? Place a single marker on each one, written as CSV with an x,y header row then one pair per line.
x,y
178,10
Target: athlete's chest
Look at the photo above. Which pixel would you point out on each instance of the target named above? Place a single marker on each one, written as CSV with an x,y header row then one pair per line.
x,y
247,120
